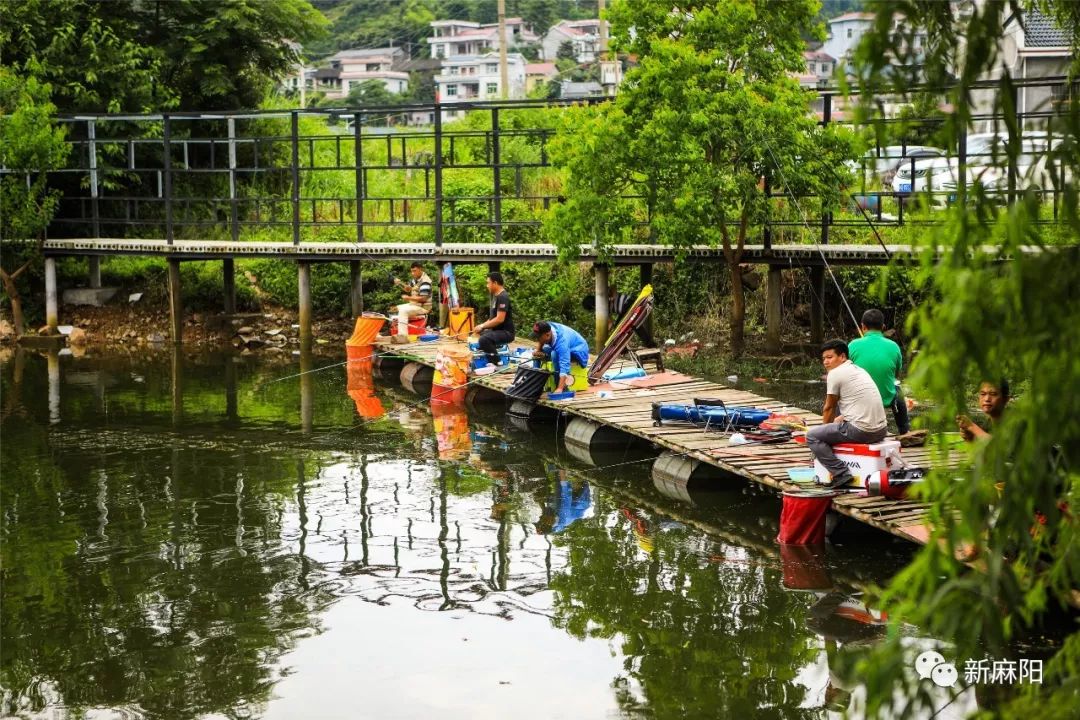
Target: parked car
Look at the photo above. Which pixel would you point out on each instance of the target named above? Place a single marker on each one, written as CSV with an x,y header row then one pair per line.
x,y
883,163
941,175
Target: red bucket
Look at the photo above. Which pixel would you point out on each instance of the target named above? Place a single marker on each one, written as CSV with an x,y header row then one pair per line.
x,y
802,520
417,325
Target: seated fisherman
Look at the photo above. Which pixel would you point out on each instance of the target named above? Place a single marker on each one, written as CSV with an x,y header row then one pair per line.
x,y
498,329
993,397
881,357
861,418
568,352
417,297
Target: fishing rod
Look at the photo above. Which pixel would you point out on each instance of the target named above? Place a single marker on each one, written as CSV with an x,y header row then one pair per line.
x,y
821,252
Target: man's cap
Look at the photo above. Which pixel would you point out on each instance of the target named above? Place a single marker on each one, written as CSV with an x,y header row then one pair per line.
x,y
540,328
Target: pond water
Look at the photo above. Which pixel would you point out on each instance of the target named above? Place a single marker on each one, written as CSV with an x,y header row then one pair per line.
x,y
214,537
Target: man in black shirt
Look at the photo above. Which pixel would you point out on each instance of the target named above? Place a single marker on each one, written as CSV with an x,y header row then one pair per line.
x,y
498,329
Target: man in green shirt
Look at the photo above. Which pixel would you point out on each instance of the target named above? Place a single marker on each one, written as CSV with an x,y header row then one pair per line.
x,y
881,357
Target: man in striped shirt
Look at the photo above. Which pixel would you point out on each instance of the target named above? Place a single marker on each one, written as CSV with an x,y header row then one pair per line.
x,y
417,297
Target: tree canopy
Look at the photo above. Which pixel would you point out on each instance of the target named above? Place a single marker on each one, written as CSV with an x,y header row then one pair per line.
x,y
133,56
708,119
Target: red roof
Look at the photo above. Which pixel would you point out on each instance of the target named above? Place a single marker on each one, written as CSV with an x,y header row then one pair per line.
x,y
544,68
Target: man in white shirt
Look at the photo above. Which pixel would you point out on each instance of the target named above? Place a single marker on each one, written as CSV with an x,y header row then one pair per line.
x,y
853,412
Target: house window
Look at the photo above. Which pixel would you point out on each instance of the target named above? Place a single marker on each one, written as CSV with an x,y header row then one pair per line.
x,y
492,68
492,88
453,69
451,90
373,67
849,30
1059,96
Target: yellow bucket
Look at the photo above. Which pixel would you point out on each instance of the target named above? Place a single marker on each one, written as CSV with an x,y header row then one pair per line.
x,y
461,322
452,366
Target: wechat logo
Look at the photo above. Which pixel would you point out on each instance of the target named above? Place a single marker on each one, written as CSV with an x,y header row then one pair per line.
x,y
931,665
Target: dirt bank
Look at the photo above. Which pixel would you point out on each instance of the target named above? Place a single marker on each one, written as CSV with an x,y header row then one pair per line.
x,y
115,326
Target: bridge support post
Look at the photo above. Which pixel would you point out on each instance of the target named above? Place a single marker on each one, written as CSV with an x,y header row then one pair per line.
x,y
176,307
817,305
94,271
228,277
356,288
645,278
304,288
52,313
602,314
773,309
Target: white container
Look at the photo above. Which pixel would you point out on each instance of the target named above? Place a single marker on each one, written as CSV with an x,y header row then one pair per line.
x,y
863,460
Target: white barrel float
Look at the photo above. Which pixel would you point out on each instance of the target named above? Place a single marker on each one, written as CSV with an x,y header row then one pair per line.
x,y
523,414
585,439
674,474
387,367
417,378
477,396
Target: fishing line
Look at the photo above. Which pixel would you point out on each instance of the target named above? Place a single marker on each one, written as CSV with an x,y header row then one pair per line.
x,y
825,260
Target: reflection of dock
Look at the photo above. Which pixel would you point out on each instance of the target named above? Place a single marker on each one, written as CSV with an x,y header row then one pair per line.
x,y
628,410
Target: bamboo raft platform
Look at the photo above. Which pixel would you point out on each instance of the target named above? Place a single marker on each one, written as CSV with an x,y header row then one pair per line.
x,y
629,409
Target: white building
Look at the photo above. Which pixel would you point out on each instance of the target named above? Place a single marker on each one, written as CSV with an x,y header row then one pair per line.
x,y
820,67
349,68
1036,48
845,32
476,78
461,37
583,35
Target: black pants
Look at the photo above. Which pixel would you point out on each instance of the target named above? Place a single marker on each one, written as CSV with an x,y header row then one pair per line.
x,y
899,411
490,340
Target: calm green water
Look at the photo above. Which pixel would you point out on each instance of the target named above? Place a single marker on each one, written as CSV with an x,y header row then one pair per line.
x,y
191,537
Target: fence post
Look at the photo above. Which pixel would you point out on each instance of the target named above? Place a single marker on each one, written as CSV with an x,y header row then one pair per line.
x,y
91,135
358,158
295,131
438,176
496,159
167,144
234,215
767,233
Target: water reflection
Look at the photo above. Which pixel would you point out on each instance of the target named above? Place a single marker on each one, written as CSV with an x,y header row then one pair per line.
x,y
216,536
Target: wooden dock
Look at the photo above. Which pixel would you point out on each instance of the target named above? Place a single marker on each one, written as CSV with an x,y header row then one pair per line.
x,y
629,408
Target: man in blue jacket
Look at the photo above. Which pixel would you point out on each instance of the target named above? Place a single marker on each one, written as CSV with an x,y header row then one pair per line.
x,y
563,345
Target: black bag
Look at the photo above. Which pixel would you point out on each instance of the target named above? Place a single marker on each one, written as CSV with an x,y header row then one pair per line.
x,y
528,383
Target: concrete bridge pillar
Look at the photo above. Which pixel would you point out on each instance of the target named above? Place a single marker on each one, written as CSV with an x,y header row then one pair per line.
x,y
228,277
817,305
356,288
646,279
602,313
304,289
773,309
94,267
52,312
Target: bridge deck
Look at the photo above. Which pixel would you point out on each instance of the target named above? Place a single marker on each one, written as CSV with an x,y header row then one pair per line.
x,y
794,255
629,410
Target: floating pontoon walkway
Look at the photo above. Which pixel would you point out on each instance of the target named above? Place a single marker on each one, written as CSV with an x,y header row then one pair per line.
x,y
629,410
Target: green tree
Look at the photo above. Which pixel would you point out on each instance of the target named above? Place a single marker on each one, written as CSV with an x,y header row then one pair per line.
x,y
134,56
30,145
371,93
1011,507
710,113
566,51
